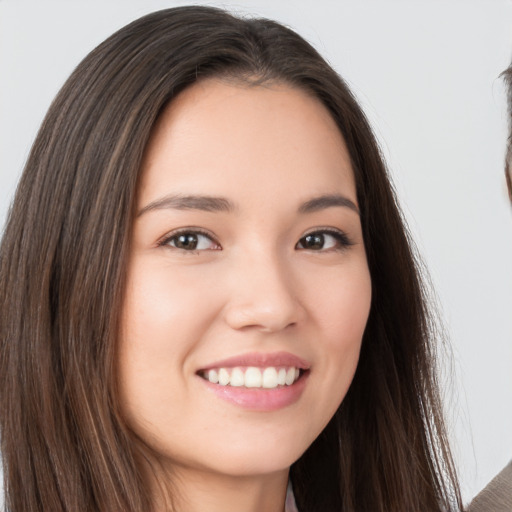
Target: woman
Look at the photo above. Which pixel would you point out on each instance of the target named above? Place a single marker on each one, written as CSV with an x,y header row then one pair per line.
x,y
207,289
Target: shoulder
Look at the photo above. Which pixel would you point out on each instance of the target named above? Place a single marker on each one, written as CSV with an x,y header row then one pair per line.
x,y
497,496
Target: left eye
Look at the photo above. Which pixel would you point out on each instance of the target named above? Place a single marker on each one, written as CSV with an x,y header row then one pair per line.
x,y
191,241
323,240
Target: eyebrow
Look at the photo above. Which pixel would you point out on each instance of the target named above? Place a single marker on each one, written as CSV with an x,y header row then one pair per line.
x,y
327,201
190,202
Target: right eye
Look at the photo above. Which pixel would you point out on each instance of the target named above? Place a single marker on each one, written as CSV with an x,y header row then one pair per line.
x,y
190,241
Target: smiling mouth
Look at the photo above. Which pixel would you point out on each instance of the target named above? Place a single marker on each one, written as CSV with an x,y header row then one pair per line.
x,y
270,377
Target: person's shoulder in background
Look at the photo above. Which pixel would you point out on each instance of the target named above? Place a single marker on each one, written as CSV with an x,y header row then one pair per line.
x,y
497,496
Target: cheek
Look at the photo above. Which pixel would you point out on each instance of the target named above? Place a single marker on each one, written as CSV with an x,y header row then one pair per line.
x,y
162,317
341,313
163,306
342,306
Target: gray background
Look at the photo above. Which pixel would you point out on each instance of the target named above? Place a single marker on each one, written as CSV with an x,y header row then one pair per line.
x,y
427,74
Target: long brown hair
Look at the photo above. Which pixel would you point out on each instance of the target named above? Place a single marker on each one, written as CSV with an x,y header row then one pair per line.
x,y
62,270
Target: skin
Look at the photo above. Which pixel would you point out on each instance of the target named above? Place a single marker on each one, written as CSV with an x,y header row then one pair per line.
x,y
251,286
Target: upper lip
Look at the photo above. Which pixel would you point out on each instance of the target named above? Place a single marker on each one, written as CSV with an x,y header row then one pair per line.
x,y
262,360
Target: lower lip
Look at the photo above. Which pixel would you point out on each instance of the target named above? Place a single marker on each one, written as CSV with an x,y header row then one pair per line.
x,y
260,399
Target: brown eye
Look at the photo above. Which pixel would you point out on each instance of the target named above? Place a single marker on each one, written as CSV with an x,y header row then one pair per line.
x,y
316,241
323,240
190,241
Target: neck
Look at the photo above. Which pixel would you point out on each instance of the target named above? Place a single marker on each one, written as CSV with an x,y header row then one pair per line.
x,y
199,491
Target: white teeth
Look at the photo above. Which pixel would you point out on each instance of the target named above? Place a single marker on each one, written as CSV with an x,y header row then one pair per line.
x,y
213,376
237,377
223,377
270,378
290,376
253,377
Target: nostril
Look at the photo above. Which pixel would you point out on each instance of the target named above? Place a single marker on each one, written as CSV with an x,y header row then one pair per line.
x,y
263,317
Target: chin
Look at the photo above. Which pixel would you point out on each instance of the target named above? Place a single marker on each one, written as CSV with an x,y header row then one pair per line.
x,y
259,460
246,468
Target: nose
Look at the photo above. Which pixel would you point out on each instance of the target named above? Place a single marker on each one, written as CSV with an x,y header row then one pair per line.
x,y
263,296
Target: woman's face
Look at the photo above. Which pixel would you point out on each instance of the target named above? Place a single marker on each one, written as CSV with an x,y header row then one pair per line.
x,y
248,289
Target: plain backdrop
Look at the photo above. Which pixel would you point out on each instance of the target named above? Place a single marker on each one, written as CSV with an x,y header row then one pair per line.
x,y
427,73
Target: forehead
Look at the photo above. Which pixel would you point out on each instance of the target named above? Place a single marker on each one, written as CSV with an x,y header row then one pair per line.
x,y
248,136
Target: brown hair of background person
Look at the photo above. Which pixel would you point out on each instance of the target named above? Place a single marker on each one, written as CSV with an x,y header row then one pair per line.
x,y
63,259
508,158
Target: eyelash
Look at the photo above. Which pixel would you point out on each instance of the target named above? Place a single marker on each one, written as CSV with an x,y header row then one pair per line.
x,y
341,238
166,241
